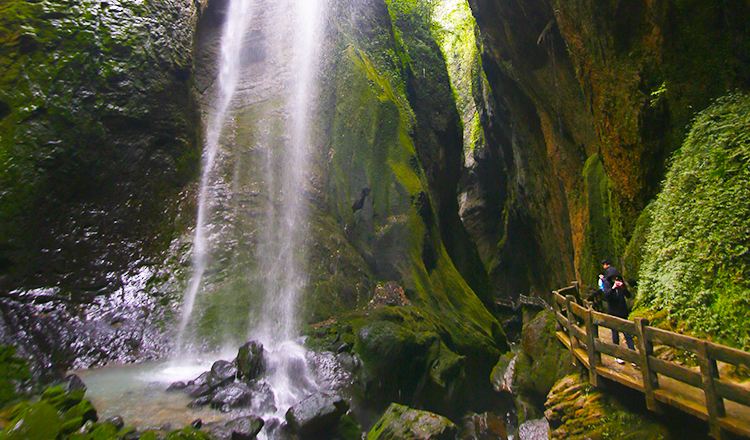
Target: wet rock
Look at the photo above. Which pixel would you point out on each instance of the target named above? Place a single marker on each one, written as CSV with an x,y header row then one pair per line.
x,y
250,361
223,371
116,421
200,401
349,428
262,399
486,426
316,415
232,396
74,383
177,386
577,411
539,363
200,390
241,428
340,347
38,421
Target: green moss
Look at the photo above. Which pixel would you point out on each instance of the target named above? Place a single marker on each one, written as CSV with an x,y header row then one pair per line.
x,y
597,242
40,421
13,372
697,264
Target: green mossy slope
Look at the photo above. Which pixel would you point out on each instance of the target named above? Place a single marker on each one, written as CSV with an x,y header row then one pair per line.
x,y
696,270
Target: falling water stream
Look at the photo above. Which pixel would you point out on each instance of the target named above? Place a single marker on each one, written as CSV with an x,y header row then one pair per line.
x,y
278,91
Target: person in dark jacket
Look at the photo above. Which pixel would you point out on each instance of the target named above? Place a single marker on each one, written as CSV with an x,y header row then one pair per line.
x,y
615,294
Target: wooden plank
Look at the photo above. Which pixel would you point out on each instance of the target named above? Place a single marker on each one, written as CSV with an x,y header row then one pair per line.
x,y
614,322
579,333
563,337
578,310
562,319
565,291
689,406
728,355
714,403
732,391
677,372
616,351
741,427
582,356
672,339
620,378
560,299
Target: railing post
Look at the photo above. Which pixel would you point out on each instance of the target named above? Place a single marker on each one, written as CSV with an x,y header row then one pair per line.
x,y
571,319
556,310
714,402
595,358
650,379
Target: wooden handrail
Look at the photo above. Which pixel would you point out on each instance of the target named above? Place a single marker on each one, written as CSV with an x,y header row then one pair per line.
x,y
578,330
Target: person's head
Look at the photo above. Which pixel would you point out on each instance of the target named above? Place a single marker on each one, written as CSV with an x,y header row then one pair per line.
x,y
606,263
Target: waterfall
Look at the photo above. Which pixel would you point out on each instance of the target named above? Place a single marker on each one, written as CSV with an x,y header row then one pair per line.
x,y
250,238
283,241
235,27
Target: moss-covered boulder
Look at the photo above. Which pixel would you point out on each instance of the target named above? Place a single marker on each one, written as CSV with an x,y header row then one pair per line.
x,y
696,267
403,423
576,410
539,363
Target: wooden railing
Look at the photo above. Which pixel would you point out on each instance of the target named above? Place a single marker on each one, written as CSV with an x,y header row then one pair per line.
x,y
701,392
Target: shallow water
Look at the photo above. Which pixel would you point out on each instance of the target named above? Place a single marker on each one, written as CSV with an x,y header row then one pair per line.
x,y
137,393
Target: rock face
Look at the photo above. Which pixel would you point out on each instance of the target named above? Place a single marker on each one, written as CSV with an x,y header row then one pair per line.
x,y
97,150
587,102
98,138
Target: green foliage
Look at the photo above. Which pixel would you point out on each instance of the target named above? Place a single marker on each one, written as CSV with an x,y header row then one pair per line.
x,y
13,371
695,274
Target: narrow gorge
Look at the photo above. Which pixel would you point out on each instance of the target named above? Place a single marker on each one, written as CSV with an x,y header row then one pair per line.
x,y
342,219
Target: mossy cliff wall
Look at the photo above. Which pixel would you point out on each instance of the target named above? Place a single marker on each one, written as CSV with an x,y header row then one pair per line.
x,y
575,83
97,139
389,124
98,151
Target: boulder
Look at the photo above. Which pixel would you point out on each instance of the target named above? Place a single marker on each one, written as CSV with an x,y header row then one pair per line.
x,y
223,370
316,415
404,423
250,362
486,426
241,428
232,396
262,399
177,386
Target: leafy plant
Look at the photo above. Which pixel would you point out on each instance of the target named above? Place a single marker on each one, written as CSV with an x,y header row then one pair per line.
x,y
696,265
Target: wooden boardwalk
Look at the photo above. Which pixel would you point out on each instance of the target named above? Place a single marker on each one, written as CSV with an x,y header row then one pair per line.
x,y
702,391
